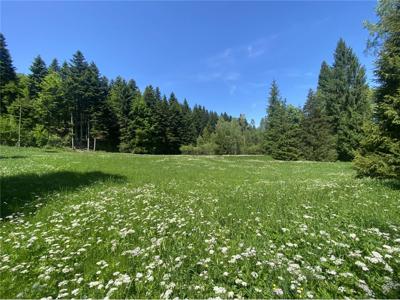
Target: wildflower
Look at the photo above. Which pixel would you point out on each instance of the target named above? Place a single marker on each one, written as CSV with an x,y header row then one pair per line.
x,y
361,265
219,290
277,291
254,274
94,283
75,292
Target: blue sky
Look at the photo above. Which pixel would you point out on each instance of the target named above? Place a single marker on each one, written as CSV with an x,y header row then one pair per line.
x,y
223,55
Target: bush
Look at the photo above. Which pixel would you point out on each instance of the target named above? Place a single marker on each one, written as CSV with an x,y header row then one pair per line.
x,y
8,131
204,149
41,135
253,149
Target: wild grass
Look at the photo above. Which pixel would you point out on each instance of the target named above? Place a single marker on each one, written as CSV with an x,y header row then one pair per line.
x,y
95,225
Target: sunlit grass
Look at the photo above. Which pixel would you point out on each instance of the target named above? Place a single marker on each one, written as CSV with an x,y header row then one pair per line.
x,y
98,225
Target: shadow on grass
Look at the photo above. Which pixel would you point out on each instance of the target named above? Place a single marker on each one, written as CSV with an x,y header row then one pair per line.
x,y
20,193
12,157
392,184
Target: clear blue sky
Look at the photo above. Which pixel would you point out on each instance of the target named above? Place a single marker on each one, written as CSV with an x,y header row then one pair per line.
x,y
223,55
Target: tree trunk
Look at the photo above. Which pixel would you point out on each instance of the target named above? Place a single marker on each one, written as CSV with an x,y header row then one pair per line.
x,y
81,132
19,124
72,135
94,144
88,136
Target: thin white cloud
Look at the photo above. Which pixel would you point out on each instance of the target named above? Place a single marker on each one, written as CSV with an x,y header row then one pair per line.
x,y
222,76
260,46
232,55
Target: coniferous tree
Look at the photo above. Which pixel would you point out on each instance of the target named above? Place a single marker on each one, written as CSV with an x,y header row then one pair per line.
x,y
8,77
120,99
78,97
38,73
175,125
141,126
274,120
161,120
189,131
345,96
318,143
282,128
102,126
288,145
54,66
379,154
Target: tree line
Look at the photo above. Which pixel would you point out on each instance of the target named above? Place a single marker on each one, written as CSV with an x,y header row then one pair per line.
x,y
342,119
74,105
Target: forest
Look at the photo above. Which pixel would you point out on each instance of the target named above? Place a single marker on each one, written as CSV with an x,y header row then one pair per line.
x,y
73,105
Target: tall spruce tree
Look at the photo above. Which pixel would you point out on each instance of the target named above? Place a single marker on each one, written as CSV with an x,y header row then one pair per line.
x,y
8,77
54,66
345,94
141,126
120,99
175,125
274,121
318,143
189,130
288,145
38,73
77,93
379,154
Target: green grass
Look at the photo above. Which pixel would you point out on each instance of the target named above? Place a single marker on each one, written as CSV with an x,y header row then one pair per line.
x,y
79,225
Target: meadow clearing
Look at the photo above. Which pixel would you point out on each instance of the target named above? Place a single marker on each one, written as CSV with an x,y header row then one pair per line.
x,y
95,225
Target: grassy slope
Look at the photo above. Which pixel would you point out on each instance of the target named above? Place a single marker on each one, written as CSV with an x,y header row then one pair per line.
x,y
300,227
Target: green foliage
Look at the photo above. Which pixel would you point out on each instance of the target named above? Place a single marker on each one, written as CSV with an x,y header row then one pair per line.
x,y
8,77
318,142
38,73
54,66
41,135
8,130
50,104
228,137
140,127
282,128
120,100
175,125
343,92
379,154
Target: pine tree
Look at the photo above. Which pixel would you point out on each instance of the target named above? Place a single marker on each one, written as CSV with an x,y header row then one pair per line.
x,y
141,127
274,120
160,117
120,99
38,73
189,131
101,129
77,93
8,77
175,125
54,66
379,154
288,145
345,96
318,143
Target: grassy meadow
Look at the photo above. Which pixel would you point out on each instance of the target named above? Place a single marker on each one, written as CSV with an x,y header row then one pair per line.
x,y
96,225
